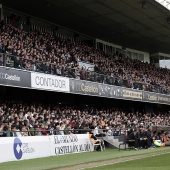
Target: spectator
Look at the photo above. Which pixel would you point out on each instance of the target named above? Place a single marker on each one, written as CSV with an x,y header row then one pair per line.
x,y
67,129
43,130
132,139
12,132
62,127
57,130
35,131
24,131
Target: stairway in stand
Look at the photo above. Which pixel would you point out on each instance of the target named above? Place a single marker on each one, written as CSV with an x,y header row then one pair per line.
x,y
114,141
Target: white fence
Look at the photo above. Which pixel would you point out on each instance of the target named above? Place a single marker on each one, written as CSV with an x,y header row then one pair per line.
x,y
21,148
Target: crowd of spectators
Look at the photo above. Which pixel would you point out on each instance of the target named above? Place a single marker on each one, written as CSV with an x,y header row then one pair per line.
x,y
39,51
23,119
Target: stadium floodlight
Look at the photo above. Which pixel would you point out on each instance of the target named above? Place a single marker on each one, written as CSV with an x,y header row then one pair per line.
x,y
165,3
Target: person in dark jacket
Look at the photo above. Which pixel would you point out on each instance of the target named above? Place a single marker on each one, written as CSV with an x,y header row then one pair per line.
x,y
142,138
132,139
149,131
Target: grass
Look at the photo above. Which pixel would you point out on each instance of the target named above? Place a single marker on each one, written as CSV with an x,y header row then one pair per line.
x,y
160,162
55,162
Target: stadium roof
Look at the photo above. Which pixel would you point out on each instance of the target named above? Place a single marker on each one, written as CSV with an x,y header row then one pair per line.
x,y
138,24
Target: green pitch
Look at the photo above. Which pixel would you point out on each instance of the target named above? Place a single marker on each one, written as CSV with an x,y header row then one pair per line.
x,y
55,162
160,162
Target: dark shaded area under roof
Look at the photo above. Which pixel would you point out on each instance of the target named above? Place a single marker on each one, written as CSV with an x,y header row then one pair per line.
x,y
123,22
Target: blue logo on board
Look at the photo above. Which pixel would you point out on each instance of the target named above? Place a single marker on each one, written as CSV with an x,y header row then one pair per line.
x,y
18,148
21,148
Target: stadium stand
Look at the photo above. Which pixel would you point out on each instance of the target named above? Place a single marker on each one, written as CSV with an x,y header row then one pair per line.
x,y
34,106
35,50
25,119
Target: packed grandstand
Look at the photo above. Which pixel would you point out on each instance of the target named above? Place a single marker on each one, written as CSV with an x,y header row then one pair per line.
x,y
48,119
36,50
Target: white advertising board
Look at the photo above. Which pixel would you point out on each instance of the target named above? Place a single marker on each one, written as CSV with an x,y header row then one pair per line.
x,y
20,148
67,144
50,82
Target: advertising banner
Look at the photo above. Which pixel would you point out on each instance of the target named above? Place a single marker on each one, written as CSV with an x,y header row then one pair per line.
x,y
119,92
163,99
106,90
111,91
21,148
84,87
132,94
156,98
19,78
67,144
50,82
14,77
150,97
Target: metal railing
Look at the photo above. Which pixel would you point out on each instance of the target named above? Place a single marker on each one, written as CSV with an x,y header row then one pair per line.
x,y
41,132
102,132
67,70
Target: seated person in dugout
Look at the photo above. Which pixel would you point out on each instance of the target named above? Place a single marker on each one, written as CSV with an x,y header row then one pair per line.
x,y
149,136
142,138
91,135
131,138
